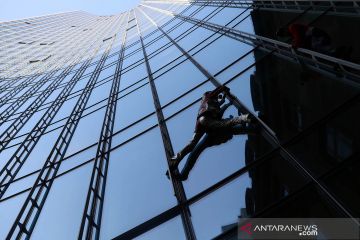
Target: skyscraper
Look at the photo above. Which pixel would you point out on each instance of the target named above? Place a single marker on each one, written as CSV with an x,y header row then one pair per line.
x,y
94,107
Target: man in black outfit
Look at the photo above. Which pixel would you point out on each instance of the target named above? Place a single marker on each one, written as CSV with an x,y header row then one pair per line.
x,y
211,124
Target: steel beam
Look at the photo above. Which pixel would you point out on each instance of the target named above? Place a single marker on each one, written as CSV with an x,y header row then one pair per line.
x,y
91,219
338,69
31,209
342,8
14,164
169,152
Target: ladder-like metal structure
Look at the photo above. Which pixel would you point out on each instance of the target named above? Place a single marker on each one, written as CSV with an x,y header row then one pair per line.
x,y
15,105
31,209
24,117
8,83
12,167
169,151
338,69
91,219
14,164
344,8
11,93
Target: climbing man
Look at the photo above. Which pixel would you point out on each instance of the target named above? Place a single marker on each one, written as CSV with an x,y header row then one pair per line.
x,y
211,124
304,36
312,38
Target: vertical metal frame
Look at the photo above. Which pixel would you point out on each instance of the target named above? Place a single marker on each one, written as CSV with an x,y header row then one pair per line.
x,y
169,152
25,68
14,164
267,132
342,8
91,219
347,72
26,115
31,209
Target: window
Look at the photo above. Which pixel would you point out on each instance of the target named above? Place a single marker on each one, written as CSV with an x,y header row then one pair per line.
x,y
107,38
337,144
26,42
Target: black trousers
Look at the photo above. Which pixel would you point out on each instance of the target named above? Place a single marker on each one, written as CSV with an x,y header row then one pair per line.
x,y
220,131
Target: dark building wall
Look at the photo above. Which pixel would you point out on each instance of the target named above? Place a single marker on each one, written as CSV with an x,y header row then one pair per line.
x,y
343,30
290,98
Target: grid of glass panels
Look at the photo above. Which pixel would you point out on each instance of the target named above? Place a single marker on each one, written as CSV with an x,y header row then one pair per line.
x,y
97,112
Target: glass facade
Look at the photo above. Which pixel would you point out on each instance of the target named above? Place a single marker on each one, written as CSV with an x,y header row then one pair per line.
x,y
92,109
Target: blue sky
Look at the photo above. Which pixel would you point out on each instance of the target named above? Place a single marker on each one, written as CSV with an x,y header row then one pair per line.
x,y
12,10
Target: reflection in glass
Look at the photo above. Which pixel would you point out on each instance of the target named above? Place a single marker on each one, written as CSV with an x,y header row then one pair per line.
x,y
230,51
180,79
248,195
39,154
220,209
128,110
9,210
87,132
62,212
172,229
137,188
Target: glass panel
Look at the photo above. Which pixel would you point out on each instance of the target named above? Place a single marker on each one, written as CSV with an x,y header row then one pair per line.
x,y
31,122
154,47
179,29
131,76
20,185
309,202
90,69
39,154
237,67
132,36
129,110
82,136
330,144
124,134
77,158
250,193
344,183
226,205
80,85
66,109
134,57
247,25
9,210
100,92
137,188
152,37
230,51
291,98
172,229
132,48
187,99
53,95
228,14
170,25
164,57
110,69
177,81
195,37
5,155
61,215
205,11
241,88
